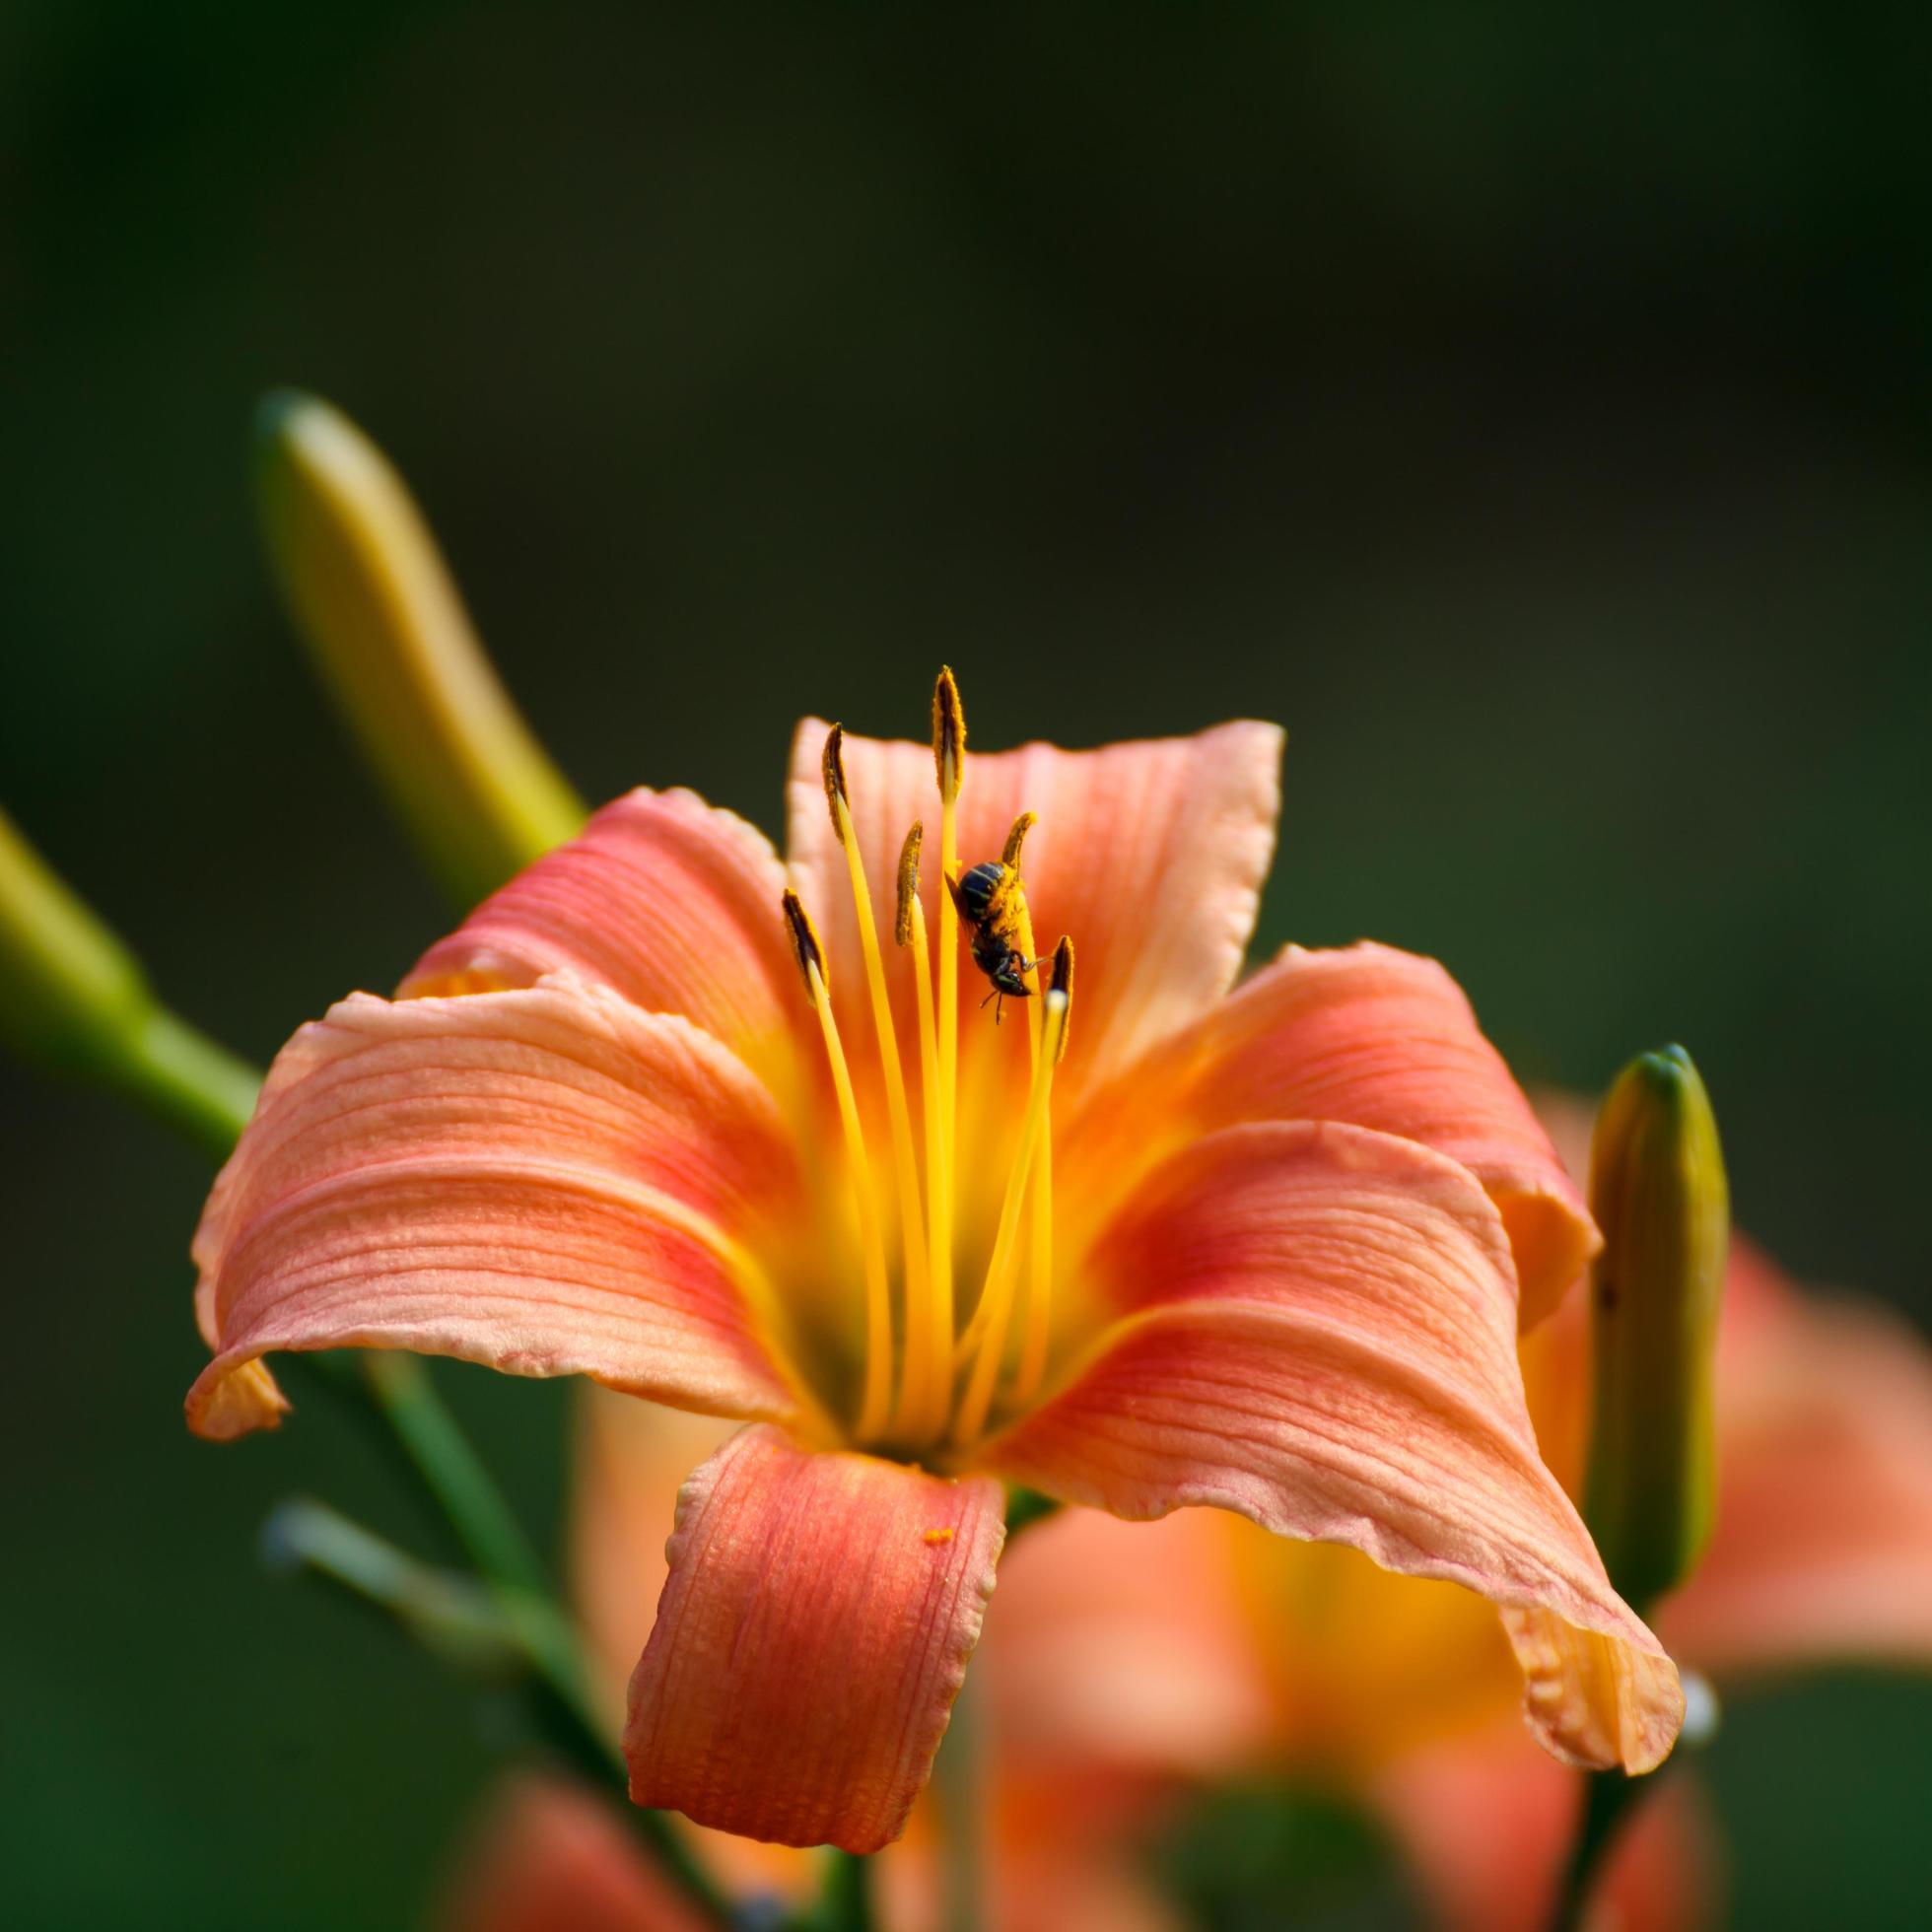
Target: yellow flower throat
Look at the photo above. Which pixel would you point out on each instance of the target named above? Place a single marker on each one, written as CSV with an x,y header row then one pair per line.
x,y
947,1374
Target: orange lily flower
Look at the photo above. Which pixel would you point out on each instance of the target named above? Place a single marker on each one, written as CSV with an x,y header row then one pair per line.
x,y
1261,1250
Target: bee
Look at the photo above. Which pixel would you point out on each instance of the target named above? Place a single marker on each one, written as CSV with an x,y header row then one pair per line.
x,y
991,906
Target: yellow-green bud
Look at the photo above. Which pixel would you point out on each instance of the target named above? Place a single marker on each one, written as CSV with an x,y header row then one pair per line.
x,y
1658,1192
69,990
72,998
371,595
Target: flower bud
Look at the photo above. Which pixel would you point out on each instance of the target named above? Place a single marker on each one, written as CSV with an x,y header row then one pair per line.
x,y
73,998
1658,1192
370,592
69,990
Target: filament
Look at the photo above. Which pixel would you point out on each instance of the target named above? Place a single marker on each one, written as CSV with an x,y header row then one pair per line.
x,y
1039,1281
876,1396
911,933
949,764
918,1367
994,1312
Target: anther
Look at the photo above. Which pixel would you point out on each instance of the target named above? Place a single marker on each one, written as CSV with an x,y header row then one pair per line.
x,y
832,769
908,906
805,948
949,735
1061,982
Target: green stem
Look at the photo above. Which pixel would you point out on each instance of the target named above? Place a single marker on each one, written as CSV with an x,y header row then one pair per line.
x,y
844,1898
187,1082
575,1727
450,1615
1609,1797
489,1628
450,1469
1025,1507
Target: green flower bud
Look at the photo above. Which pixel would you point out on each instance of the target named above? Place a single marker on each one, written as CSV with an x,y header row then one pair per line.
x,y
1658,1192
73,998
69,990
370,594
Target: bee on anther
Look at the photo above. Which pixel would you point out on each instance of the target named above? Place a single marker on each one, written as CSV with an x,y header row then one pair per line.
x,y
991,906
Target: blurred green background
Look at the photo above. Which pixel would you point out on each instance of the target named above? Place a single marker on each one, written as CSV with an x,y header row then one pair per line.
x,y
1535,415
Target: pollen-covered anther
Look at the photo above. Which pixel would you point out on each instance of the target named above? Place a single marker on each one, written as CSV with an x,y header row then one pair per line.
x,y
805,946
949,735
832,769
908,904
1016,837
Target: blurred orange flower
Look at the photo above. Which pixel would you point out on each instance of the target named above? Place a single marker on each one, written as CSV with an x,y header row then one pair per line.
x,y
1398,1692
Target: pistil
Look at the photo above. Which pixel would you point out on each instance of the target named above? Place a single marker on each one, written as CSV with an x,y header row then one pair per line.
x,y
995,1313
918,1369
875,1399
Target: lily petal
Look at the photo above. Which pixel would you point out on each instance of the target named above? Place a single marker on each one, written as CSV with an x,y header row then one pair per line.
x,y
1151,854
1322,1338
630,1460
1377,1038
548,1181
667,899
812,1636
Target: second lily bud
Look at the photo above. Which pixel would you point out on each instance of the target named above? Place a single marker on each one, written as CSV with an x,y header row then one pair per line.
x,y
1658,1192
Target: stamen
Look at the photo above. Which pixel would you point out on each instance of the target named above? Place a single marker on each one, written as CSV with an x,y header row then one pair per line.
x,y
1039,1294
948,733
1039,1301
912,1222
949,763
905,906
1060,980
1011,899
997,1297
875,1399
910,930
805,948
